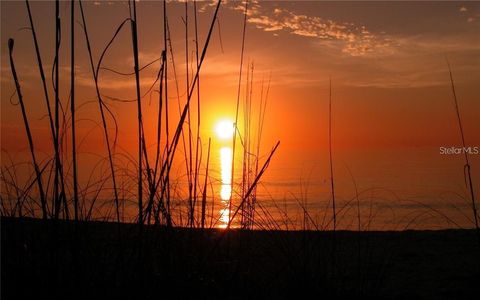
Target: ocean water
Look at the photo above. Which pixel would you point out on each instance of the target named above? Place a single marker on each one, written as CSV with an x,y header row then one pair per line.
x,y
380,189
389,189
375,189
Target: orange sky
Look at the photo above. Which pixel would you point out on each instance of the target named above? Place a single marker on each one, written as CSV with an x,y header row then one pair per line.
x,y
386,60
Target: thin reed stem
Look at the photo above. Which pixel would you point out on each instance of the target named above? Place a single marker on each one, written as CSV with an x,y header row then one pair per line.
x,y
235,125
171,151
189,154
72,107
27,129
101,103
197,145
467,164
204,196
57,159
139,111
59,178
330,155
44,83
254,184
166,38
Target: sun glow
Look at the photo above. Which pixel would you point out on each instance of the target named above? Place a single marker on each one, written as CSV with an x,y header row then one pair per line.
x,y
224,129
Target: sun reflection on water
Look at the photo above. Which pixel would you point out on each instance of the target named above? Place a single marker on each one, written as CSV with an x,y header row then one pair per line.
x,y
224,217
226,188
226,172
225,130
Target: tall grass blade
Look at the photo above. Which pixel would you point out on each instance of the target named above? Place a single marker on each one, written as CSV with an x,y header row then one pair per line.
x,y
27,129
235,125
72,107
467,164
101,103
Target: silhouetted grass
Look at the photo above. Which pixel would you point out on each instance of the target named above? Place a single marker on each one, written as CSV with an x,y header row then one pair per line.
x,y
28,132
395,265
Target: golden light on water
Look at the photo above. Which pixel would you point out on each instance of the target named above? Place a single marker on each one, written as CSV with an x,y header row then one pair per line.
x,y
224,217
225,192
226,188
226,172
225,130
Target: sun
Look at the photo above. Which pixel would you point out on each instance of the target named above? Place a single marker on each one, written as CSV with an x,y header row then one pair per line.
x,y
224,129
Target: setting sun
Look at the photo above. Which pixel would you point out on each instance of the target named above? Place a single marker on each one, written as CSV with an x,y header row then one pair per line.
x,y
224,129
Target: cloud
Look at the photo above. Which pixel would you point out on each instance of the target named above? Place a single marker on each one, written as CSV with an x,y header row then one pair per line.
x,y
105,2
418,61
204,5
355,40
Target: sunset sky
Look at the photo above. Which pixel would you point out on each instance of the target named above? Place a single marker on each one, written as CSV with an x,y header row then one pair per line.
x,y
392,103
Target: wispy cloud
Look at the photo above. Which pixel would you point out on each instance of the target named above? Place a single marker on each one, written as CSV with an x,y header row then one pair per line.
x,y
103,2
356,40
